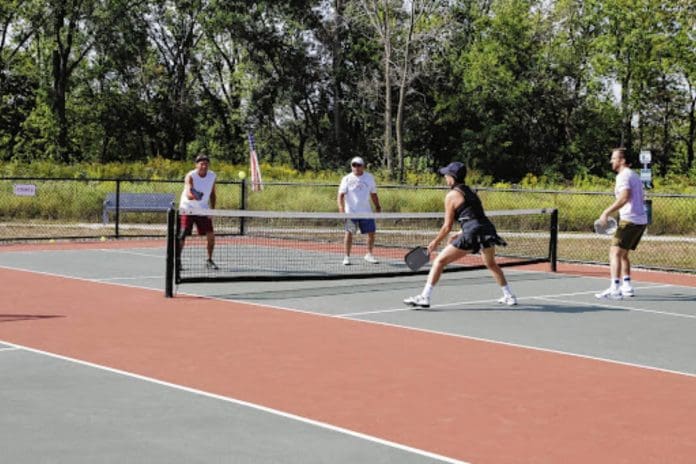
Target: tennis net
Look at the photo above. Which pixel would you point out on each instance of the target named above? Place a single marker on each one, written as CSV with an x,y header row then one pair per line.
x,y
279,245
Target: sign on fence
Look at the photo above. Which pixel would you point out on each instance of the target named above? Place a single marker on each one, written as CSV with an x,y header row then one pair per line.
x,y
24,190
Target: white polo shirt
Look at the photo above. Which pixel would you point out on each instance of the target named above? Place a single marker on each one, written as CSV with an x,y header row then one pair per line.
x,y
357,190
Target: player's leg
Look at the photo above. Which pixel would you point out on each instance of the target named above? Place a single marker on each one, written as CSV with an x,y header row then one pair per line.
x,y
204,226
626,284
614,291
634,232
185,229
210,238
488,258
445,257
369,227
347,246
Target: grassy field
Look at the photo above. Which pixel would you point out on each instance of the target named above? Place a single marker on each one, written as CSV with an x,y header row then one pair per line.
x,y
653,251
74,208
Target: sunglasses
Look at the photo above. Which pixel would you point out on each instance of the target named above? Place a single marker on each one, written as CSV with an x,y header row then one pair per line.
x,y
356,165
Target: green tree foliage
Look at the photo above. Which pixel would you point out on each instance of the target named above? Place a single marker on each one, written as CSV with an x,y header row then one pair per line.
x,y
512,87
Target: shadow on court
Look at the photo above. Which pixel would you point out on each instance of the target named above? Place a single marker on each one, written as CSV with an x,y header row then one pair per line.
x,y
675,297
521,308
26,317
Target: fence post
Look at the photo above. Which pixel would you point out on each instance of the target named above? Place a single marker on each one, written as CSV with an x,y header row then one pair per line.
x,y
647,204
553,246
170,256
118,205
242,205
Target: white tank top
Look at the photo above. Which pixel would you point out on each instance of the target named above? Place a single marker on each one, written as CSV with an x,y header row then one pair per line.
x,y
202,184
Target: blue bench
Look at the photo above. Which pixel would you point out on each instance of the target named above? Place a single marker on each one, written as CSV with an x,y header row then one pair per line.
x,y
137,202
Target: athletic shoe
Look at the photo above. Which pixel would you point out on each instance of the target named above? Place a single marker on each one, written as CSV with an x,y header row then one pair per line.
x,y
211,265
627,290
610,294
346,261
370,258
418,301
510,300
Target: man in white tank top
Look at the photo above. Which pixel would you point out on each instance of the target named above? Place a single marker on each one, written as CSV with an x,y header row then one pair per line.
x,y
633,221
199,192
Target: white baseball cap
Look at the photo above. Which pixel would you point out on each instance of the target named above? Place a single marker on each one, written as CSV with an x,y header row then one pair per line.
x,y
357,160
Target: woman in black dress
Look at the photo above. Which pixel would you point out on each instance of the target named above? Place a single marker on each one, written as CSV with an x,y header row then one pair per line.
x,y
478,235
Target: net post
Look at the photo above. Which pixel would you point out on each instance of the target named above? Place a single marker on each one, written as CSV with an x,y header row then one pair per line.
x,y
242,204
553,244
171,239
117,217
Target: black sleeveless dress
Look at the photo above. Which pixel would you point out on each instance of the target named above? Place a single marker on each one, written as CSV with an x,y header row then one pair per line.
x,y
477,230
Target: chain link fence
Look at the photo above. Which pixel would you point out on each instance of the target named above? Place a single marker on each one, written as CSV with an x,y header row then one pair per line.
x,y
36,209
55,208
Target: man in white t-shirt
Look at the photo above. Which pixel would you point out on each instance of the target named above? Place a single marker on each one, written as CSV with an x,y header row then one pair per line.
x,y
199,192
354,195
632,223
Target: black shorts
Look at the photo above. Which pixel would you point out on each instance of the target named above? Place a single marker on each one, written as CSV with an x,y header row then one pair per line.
x,y
477,234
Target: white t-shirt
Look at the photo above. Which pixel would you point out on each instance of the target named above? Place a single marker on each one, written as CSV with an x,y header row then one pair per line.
x,y
634,210
357,190
202,184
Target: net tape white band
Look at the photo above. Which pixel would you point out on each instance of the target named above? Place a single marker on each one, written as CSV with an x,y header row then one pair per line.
x,y
245,213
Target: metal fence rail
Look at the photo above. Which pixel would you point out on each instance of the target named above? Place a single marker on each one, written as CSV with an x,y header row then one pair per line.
x,y
59,208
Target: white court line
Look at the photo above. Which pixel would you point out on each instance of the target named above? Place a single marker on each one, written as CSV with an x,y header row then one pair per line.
x,y
80,250
109,279
470,302
626,308
12,348
82,279
605,278
528,347
128,252
247,404
386,324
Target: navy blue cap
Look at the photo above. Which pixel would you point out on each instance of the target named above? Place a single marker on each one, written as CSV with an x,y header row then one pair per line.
x,y
454,169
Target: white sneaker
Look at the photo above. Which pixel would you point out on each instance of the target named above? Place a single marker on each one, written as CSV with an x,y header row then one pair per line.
x,y
418,301
370,258
627,290
610,294
510,300
346,261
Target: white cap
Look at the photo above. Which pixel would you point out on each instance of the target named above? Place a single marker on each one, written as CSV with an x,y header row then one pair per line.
x,y
357,160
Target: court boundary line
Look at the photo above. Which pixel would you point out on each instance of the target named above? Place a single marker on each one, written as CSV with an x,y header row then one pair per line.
x,y
10,348
109,279
403,327
121,251
238,402
604,305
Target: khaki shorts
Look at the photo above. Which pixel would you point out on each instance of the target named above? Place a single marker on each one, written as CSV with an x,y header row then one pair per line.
x,y
628,234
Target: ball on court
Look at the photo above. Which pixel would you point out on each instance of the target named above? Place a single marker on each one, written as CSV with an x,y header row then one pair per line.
x,y
241,174
52,241
103,239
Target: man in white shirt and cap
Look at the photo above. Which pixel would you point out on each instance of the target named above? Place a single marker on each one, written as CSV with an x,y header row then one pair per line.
x,y
354,195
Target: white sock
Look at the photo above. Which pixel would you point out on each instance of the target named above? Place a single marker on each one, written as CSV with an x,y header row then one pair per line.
x,y
507,291
615,284
627,280
427,290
